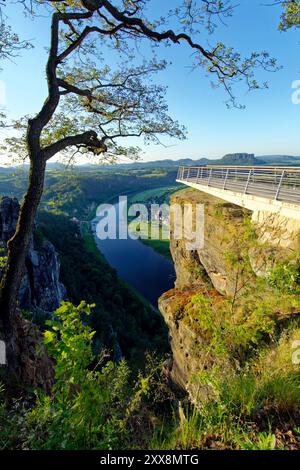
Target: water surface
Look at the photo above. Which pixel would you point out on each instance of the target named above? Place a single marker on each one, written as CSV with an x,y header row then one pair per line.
x,y
139,265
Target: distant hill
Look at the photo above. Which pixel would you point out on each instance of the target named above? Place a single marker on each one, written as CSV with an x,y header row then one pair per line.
x,y
238,159
233,159
230,159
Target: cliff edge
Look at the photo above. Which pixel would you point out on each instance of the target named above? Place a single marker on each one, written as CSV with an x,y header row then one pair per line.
x,y
233,297
41,289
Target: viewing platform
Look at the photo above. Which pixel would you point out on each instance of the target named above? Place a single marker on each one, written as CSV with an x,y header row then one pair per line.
x,y
259,188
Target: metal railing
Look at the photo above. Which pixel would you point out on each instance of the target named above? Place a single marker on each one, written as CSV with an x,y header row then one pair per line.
x,y
279,183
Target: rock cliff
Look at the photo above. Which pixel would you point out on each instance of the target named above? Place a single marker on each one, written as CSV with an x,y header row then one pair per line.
x,y
41,288
223,227
221,298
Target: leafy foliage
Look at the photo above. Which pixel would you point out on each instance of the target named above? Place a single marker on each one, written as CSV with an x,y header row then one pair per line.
x,y
74,190
86,274
229,332
285,277
246,405
291,15
91,399
3,260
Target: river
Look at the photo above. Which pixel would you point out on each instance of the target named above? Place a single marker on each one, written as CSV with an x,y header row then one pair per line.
x,y
139,265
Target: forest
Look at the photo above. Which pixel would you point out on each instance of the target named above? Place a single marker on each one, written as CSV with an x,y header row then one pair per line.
x,y
107,98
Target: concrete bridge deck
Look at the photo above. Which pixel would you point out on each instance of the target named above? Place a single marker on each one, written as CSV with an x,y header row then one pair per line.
x,y
273,189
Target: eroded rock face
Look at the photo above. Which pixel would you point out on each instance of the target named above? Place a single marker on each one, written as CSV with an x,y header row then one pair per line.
x,y
224,225
34,366
41,288
276,230
189,354
9,211
229,233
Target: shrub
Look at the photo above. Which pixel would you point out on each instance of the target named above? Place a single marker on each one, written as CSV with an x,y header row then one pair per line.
x,y
285,277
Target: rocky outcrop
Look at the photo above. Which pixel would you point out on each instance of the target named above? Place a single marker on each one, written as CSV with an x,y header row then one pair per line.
x,y
224,226
238,247
231,232
277,231
41,288
188,344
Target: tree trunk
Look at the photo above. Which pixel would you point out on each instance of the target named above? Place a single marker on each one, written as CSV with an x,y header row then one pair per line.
x,y
17,250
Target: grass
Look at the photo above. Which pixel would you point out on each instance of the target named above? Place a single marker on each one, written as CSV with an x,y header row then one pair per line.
x,y
255,407
160,245
89,241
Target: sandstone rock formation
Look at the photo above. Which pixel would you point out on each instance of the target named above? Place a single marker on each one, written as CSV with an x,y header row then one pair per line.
x,y
34,366
223,228
238,247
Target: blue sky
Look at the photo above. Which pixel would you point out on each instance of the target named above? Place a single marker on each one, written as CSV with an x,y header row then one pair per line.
x,y
269,124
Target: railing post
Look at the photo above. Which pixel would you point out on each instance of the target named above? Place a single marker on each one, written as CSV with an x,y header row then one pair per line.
x,y
226,177
209,178
248,181
279,186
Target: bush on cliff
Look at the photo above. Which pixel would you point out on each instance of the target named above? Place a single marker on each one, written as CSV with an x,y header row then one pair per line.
x,y
94,403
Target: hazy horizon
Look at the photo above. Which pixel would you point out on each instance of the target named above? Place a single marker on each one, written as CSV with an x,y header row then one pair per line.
x,y
88,162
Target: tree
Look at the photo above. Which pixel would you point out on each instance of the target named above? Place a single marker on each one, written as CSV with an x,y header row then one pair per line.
x,y
10,46
90,107
291,14
10,42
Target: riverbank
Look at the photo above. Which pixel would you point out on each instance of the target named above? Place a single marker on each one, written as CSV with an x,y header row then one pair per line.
x,y
147,271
